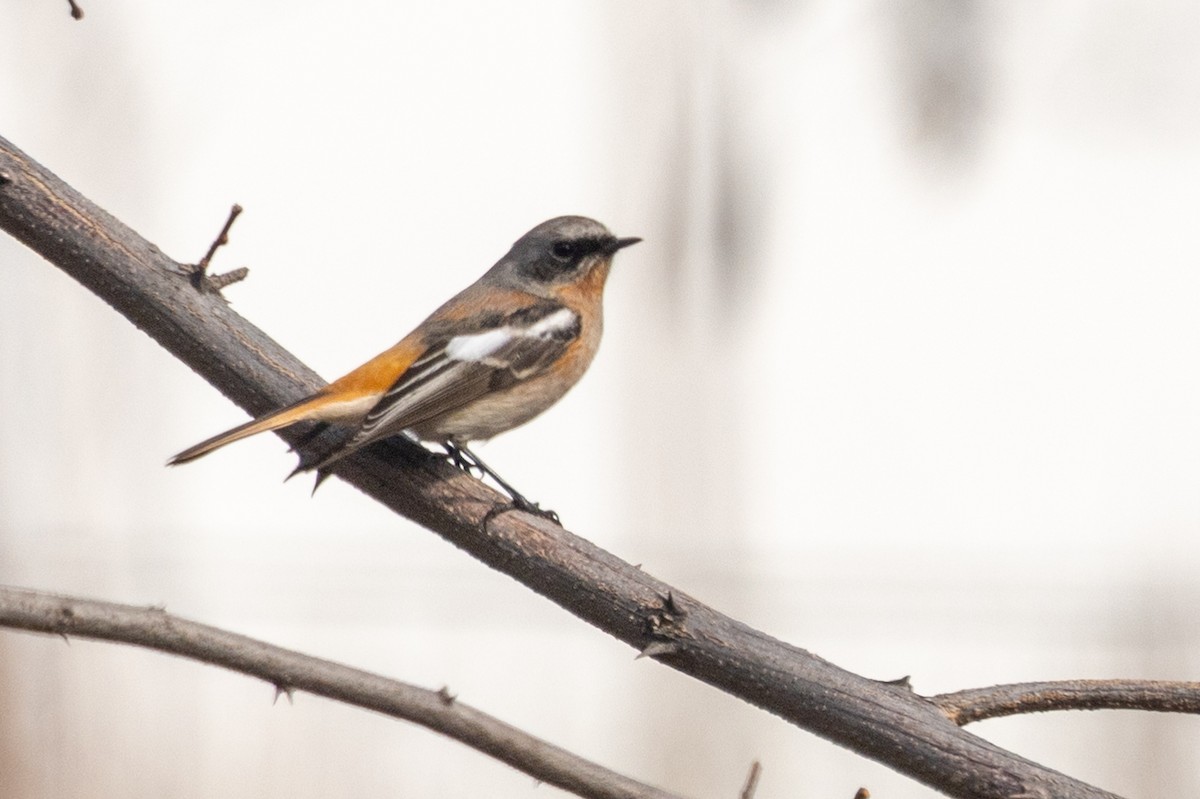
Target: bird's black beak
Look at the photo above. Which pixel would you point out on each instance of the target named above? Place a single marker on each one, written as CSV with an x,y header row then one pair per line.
x,y
620,244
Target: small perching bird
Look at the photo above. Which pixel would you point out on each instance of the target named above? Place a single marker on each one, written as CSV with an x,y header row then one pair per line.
x,y
493,357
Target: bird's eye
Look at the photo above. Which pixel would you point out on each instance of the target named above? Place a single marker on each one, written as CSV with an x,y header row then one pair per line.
x,y
563,250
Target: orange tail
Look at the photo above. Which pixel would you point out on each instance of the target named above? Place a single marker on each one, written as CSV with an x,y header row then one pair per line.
x,y
307,408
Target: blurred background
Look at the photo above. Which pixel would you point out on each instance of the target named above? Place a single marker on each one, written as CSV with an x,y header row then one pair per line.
x,y
906,372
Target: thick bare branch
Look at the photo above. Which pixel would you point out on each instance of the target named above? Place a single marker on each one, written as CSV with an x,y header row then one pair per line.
x,y
289,671
886,722
976,704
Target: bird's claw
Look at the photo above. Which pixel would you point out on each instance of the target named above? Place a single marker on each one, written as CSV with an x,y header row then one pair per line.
x,y
459,458
520,503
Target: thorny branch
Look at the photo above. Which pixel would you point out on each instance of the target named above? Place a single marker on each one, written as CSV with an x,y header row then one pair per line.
x,y
289,671
884,721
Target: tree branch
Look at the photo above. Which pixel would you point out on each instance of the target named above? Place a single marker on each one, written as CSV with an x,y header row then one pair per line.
x,y
886,722
287,671
976,704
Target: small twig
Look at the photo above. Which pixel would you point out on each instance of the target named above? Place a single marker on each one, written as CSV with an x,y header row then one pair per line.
x,y
76,11
218,282
752,780
199,272
976,704
221,240
290,671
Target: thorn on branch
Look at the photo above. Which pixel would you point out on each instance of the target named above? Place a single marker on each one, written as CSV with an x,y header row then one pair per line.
x,y
671,608
76,11
862,793
445,695
199,271
658,648
751,781
900,682
667,614
663,627
284,690
5,179
66,622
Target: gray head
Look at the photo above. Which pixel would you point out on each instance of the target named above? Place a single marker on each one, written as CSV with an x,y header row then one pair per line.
x,y
560,250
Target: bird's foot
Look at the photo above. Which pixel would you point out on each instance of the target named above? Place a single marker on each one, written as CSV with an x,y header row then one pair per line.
x,y
521,503
469,462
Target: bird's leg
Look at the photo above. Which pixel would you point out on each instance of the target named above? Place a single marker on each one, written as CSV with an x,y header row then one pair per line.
x,y
466,460
459,457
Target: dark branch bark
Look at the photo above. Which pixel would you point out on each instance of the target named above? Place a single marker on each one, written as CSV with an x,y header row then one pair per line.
x,y
288,671
886,722
976,704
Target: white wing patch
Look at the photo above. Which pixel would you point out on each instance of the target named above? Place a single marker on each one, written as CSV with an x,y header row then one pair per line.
x,y
477,347
562,319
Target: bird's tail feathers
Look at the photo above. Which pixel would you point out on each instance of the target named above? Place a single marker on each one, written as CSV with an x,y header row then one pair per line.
x,y
272,421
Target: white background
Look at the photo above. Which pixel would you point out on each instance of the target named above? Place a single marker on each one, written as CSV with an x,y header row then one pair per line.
x,y
906,372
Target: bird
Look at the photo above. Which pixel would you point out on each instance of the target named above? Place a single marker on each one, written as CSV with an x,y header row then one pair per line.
x,y
491,358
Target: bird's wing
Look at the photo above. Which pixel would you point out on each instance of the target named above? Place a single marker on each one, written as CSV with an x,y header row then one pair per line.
x,y
458,369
